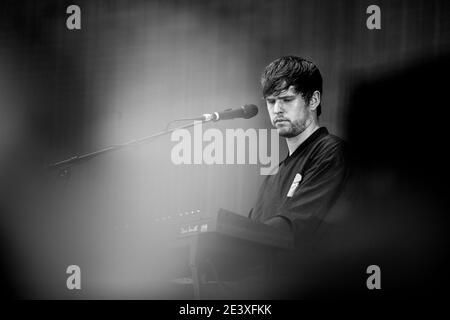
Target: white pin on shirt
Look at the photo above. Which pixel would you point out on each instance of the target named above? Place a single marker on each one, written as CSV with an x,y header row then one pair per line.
x,y
294,185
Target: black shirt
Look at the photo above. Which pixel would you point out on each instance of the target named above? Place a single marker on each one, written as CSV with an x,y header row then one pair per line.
x,y
306,185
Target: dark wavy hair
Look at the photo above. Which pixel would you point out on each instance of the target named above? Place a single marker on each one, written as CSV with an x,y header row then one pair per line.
x,y
294,71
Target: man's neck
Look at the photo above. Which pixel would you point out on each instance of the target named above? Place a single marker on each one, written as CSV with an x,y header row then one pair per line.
x,y
294,142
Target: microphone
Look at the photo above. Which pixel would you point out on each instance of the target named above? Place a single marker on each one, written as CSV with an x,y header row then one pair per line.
x,y
247,111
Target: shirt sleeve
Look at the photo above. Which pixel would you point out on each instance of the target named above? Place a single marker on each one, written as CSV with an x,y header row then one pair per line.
x,y
322,182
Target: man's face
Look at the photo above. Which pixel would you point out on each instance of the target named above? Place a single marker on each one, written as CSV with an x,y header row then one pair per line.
x,y
289,112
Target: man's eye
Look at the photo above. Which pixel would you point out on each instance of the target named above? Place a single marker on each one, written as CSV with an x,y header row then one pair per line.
x,y
287,100
270,101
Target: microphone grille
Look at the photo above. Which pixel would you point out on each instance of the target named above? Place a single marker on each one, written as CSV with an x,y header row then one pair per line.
x,y
250,110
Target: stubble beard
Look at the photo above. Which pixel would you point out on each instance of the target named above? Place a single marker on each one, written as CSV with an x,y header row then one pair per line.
x,y
295,128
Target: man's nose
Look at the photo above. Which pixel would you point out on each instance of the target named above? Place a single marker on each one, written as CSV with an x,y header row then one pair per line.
x,y
277,108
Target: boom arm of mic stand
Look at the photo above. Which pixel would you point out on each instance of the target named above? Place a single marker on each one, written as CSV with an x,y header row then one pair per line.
x,y
67,163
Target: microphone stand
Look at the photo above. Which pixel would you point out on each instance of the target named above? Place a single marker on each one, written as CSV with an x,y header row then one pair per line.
x,y
64,165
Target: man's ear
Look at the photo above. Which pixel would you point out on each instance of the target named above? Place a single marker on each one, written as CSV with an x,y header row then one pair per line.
x,y
315,100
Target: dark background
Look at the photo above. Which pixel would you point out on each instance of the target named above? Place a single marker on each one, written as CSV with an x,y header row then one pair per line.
x,y
135,65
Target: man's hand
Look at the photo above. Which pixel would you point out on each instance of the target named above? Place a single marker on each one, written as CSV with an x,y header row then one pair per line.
x,y
279,223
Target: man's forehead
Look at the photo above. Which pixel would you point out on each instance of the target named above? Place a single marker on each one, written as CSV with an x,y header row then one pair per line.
x,y
286,92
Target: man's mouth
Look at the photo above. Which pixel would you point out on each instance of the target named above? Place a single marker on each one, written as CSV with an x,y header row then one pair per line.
x,y
280,121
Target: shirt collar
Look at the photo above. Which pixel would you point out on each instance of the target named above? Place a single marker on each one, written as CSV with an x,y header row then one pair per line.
x,y
314,136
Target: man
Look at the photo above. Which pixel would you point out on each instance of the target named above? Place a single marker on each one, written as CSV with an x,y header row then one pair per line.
x,y
310,179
